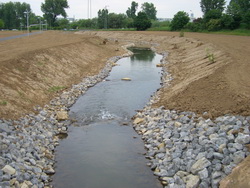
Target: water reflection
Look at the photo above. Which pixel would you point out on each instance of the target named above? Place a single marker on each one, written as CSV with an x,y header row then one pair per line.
x,y
103,153
142,54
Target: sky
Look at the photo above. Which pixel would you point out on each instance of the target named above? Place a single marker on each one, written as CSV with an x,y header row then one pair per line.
x,y
78,8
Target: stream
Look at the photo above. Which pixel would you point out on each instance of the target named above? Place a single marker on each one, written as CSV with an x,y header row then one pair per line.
x,y
102,149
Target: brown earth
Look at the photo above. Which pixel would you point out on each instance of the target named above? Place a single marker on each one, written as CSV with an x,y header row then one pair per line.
x,y
201,84
210,72
33,69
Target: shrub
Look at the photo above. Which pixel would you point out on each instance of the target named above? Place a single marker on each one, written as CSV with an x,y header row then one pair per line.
x,y
214,25
142,22
179,21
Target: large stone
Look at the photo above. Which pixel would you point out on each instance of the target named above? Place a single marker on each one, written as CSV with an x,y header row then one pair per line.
x,y
138,121
200,165
62,115
203,174
5,128
9,170
192,181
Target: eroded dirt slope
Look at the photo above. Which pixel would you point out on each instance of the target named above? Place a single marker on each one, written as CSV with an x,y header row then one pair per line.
x,y
211,72
34,68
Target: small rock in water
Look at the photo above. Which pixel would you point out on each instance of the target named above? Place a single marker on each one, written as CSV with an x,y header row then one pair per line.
x,y
62,115
126,79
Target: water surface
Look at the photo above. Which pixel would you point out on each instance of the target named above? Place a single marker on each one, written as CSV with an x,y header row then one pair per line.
x,y
101,152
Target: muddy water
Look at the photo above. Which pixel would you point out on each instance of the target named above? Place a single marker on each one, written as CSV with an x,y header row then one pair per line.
x,y
104,150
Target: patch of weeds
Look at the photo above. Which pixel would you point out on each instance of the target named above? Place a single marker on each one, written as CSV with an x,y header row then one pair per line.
x,y
3,103
20,94
40,63
181,34
56,88
210,56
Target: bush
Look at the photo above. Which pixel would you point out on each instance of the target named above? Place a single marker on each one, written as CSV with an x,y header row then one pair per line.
x,y
179,21
214,25
246,20
227,21
142,22
195,27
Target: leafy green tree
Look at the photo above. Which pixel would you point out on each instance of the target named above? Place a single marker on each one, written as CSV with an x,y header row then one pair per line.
x,y
131,12
142,22
62,23
1,24
246,20
227,21
150,10
179,21
102,20
129,23
212,14
117,20
13,14
239,10
88,23
54,8
207,5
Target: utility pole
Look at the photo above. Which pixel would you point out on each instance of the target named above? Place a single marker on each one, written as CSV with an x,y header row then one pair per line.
x,y
89,9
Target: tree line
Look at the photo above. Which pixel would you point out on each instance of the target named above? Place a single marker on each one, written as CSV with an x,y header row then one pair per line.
x,y
216,16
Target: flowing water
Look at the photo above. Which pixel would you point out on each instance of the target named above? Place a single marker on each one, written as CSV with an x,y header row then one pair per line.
x,y
104,151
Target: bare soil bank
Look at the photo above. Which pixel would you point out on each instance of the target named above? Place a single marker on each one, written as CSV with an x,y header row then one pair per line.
x,y
33,69
211,72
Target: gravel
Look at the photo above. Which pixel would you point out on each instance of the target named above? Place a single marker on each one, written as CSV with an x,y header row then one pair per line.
x,y
27,145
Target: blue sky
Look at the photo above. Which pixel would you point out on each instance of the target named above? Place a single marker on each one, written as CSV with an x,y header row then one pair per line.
x,y
165,8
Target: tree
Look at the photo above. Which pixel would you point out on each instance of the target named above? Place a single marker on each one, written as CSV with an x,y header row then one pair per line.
x,y
207,5
117,20
54,8
239,10
142,22
102,20
13,14
1,24
131,12
179,21
212,14
150,10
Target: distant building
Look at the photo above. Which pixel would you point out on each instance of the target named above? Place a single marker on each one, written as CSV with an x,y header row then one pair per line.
x,y
164,19
191,16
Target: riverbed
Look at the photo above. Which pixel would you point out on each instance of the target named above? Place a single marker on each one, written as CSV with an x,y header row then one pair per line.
x,y
102,149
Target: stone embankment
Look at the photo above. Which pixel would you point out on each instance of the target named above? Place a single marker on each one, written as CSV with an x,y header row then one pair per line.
x,y
187,150
27,145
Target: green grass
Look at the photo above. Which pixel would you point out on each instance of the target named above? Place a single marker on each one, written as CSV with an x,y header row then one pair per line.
x,y
240,32
40,63
3,103
210,56
56,88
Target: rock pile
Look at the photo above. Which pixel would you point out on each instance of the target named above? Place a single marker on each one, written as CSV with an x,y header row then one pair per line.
x,y
27,145
189,151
